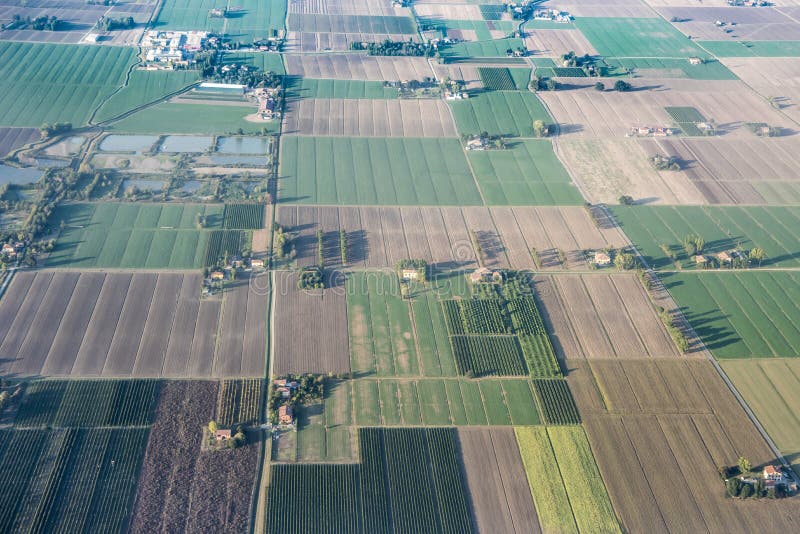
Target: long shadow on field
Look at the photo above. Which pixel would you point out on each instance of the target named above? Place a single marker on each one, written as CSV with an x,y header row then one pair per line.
x,y
714,337
357,246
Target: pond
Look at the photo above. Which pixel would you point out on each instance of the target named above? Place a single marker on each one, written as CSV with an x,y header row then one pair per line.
x,y
51,162
67,147
257,161
13,175
191,186
127,143
242,145
186,143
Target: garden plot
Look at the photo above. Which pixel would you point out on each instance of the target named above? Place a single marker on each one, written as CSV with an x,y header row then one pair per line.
x,y
357,67
347,7
751,24
583,111
311,327
741,314
770,388
600,316
375,118
605,169
661,411
13,138
775,78
375,170
496,482
122,324
554,43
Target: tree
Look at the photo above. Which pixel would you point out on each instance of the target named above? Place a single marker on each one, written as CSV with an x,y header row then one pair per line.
x,y
625,200
734,486
551,84
212,426
625,261
746,491
622,86
744,465
757,254
600,86
540,129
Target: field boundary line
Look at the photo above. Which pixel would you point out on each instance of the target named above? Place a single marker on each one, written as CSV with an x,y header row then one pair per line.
x,y
686,326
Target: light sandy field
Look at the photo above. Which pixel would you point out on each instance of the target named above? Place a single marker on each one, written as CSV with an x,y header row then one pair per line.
x,y
466,73
688,3
552,43
357,67
310,328
347,7
751,24
336,42
380,118
602,316
777,78
380,237
644,419
449,12
600,8
583,111
95,324
496,481
605,169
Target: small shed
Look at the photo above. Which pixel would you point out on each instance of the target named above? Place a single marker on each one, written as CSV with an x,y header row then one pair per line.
x,y
700,260
725,256
257,263
222,435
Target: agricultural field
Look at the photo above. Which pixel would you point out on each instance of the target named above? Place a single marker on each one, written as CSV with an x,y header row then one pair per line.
x,y
663,412
636,37
369,118
726,49
772,229
554,42
599,316
43,83
181,487
119,324
710,69
434,402
310,327
527,173
481,49
143,88
506,236
194,118
250,216
356,67
556,402
365,24
770,388
253,20
343,170
496,482
506,113
298,87
504,79
378,487
132,235
575,501
741,314
13,138
773,78
751,24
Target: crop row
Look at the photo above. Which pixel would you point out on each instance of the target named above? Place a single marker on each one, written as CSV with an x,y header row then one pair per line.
x,y
539,356
88,403
68,480
488,355
243,216
453,317
409,480
496,79
525,316
224,243
555,399
474,316
238,402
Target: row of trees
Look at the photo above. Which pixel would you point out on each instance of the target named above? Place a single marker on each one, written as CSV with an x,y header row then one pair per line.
x,y
107,24
396,48
43,23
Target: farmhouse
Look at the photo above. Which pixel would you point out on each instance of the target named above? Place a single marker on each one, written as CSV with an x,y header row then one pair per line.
x,y
9,249
773,473
285,416
486,276
409,274
256,263
601,259
700,260
217,275
694,60
478,143
222,435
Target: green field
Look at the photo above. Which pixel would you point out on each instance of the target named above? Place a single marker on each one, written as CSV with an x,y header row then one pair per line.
x,y
377,170
673,68
435,402
774,229
637,38
752,48
152,236
493,48
772,389
145,87
298,87
482,28
263,62
504,79
507,113
741,314
528,173
251,20
406,478
44,83
197,119
575,499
